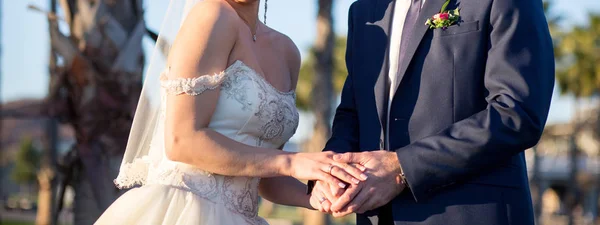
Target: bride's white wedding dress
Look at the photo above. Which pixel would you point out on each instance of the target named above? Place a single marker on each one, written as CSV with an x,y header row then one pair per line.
x,y
250,111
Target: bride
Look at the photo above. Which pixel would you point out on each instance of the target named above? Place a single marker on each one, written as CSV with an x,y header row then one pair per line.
x,y
215,112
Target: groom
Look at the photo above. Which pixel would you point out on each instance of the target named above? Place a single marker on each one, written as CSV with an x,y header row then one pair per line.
x,y
441,116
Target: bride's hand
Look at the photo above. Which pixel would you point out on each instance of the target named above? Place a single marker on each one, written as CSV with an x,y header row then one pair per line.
x,y
321,166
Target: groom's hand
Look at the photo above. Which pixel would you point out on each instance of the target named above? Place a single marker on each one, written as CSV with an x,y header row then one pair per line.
x,y
383,185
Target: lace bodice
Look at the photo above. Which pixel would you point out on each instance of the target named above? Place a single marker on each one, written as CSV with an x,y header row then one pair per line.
x,y
249,110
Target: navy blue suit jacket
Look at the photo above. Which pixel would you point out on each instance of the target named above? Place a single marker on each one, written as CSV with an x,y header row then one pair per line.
x,y
471,100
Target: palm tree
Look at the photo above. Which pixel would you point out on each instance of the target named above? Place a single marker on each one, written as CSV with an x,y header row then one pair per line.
x,y
47,175
95,82
579,65
536,181
579,74
322,89
306,78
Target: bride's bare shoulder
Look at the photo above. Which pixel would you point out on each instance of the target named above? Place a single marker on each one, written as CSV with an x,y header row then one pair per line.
x,y
290,51
209,14
205,39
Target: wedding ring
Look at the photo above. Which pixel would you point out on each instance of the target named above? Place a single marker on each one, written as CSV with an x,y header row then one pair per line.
x,y
322,199
329,169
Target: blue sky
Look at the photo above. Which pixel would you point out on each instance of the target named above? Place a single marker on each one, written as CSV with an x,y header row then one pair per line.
x,y
25,39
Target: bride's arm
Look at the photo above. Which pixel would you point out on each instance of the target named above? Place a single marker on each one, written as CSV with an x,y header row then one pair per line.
x,y
203,46
288,190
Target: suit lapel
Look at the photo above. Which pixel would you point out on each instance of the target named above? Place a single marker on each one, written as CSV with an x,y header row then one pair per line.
x,y
382,18
430,8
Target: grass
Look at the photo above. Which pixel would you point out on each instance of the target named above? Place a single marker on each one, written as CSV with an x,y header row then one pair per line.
x,y
15,222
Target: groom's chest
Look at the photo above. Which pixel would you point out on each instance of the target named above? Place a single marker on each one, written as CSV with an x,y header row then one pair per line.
x,y
378,33
446,68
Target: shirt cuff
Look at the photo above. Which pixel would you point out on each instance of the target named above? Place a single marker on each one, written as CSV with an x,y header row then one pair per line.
x,y
310,186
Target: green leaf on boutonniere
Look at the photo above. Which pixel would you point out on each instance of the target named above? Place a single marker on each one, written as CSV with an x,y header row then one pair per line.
x,y
444,6
444,19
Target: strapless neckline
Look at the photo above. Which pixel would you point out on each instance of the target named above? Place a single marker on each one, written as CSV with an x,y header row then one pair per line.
x,y
240,63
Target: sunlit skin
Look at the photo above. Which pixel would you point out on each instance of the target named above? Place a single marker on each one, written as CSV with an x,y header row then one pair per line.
x,y
215,34
248,11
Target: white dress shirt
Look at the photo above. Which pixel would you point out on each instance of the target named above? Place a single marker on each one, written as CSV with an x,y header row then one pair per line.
x,y
400,10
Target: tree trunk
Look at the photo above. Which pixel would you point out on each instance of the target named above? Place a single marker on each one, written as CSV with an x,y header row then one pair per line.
x,y
47,179
573,189
322,91
95,89
46,212
536,182
45,197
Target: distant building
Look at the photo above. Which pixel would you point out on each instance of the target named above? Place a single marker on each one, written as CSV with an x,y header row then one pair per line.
x,y
12,133
558,189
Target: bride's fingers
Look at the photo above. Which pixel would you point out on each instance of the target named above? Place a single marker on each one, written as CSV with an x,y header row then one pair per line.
x,y
324,203
360,167
343,175
326,206
324,189
315,203
353,171
332,180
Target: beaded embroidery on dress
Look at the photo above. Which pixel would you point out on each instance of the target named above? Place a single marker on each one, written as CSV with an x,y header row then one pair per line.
x,y
249,110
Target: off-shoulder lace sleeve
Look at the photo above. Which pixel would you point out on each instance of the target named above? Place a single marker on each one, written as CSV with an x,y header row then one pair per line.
x,y
191,86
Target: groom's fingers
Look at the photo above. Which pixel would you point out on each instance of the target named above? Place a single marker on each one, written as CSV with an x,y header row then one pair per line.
x,y
348,158
346,198
344,158
356,173
357,202
335,191
369,204
354,205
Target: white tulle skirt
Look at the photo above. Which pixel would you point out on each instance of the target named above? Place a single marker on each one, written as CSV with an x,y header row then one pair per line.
x,y
167,205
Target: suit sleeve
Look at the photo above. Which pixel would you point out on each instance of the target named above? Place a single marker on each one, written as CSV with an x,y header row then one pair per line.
x,y
344,136
519,78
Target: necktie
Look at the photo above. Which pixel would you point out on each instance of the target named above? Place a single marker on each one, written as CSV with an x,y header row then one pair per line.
x,y
409,23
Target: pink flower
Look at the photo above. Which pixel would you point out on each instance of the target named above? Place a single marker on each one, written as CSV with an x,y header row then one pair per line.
x,y
436,16
444,16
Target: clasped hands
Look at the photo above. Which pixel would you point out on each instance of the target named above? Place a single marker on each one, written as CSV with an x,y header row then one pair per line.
x,y
381,182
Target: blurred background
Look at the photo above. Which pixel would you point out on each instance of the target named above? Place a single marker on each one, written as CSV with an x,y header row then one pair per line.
x,y
71,73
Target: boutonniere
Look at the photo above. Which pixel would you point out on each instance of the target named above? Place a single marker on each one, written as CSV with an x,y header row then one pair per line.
x,y
444,19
